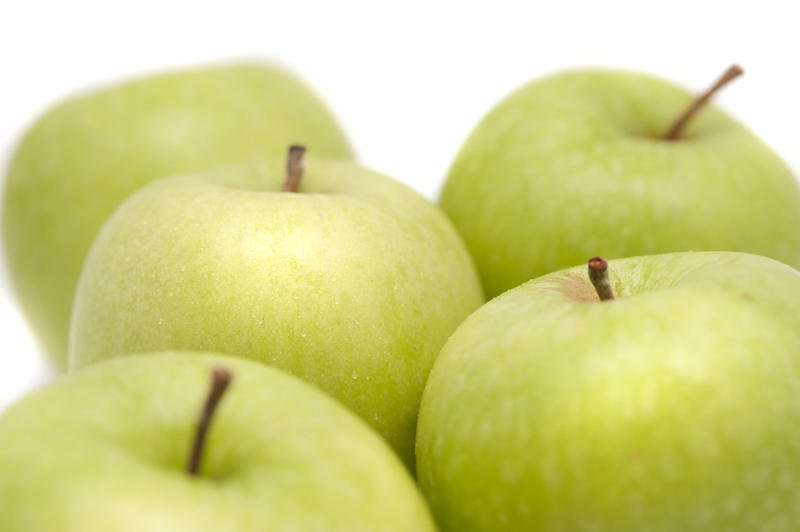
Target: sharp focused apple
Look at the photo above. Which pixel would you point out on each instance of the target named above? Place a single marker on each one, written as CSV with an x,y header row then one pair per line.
x,y
107,448
579,162
353,283
83,157
675,406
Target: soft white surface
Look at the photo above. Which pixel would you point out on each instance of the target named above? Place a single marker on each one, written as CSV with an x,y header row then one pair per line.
x,y
408,80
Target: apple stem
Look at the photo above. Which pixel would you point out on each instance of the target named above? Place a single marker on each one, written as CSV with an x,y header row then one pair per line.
x,y
220,380
294,168
598,274
674,132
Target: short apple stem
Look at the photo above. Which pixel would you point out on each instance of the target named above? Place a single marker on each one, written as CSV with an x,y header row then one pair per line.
x,y
294,168
676,130
220,380
598,275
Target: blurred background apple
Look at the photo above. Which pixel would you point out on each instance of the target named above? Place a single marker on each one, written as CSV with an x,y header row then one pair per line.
x,y
84,156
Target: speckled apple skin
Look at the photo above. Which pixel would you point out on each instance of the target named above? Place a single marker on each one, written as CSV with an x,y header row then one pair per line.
x,y
353,284
572,166
83,157
105,449
674,407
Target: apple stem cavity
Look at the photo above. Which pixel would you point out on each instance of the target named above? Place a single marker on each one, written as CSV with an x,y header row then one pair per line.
x,y
220,380
675,131
294,168
598,275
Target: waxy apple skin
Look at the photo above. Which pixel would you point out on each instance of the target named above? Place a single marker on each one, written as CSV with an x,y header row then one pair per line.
x,y
82,158
104,449
674,407
353,283
573,165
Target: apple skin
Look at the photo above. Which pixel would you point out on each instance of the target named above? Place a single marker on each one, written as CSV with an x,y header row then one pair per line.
x,y
354,283
105,449
572,165
83,157
674,407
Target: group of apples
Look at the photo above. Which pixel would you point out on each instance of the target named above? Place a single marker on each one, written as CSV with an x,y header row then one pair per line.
x,y
161,233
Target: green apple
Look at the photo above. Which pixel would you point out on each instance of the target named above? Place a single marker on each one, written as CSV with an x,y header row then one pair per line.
x,y
108,448
80,160
353,283
576,162
675,406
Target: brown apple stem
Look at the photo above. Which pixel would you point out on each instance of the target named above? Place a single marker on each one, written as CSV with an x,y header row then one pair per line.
x,y
675,131
598,274
294,168
220,380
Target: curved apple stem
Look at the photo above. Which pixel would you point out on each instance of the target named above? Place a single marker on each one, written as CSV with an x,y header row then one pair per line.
x,y
598,275
220,380
294,168
675,131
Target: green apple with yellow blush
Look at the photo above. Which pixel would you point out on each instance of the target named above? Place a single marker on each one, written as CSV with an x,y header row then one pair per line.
x,y
335,273
654,393
84,156
588,160
150,442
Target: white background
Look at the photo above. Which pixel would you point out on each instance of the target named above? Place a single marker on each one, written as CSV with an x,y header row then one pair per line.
x,y
408,80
